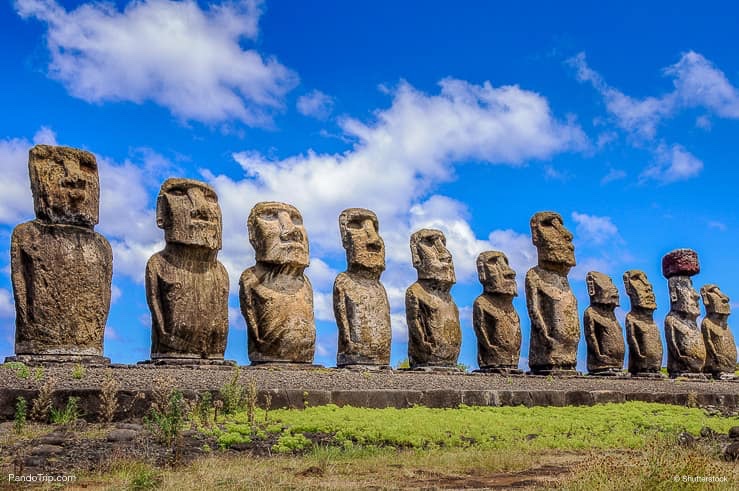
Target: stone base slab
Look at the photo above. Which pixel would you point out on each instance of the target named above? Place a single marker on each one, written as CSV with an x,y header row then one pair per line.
x,y
556,373
499,371
58,359
280,365
652,375
187,363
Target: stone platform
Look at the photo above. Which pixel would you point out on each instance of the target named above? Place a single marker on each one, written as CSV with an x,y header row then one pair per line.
x,y
378,389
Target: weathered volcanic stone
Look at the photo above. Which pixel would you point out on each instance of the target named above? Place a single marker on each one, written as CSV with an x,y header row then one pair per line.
x,y
680,262
186,285
61,268
361,305
434,333
720,346
276,297
552,307
642,333
686,352
603,333
496,323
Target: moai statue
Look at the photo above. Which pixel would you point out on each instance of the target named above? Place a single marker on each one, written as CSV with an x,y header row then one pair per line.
x,y
555,326
186,285
61,268
361,306
494,319
720,346
642,333
276,297
603,333
686,352
434,333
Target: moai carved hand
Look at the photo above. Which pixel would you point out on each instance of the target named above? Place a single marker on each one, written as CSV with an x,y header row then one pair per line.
x,y
720,346
686,352
434,333
361,305
276,297
61,269
603,333
642,333
552,307
494,319
186,285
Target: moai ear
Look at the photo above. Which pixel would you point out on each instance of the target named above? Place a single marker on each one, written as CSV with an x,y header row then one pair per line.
x,y
162,211
673,296
591,285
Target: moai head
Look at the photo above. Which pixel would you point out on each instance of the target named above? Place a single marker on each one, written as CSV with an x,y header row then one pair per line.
x,y
601,289
715,301
495,274
360,237
277,234
65,185
552,240
639,290
189,213
431,258
683,297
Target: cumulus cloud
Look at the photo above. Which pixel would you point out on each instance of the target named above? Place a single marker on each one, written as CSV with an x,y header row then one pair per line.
x,y
174,53
672,163
315,104
595,229
7,310
16,202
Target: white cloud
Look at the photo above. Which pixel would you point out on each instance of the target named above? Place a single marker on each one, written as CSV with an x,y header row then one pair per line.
x,y
173,53
7,309
613,175
595,229
672,163
315,104
698,83
16,202
720,226
703,122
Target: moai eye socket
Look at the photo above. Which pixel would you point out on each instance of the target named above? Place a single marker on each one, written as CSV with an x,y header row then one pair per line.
x,y
211,197
177,192
355,224
296,219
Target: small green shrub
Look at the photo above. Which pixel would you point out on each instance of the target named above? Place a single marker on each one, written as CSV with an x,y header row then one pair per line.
x,y
19,368
38,374
233,394
165,423
78,372
289,443
226,440
69,414
144,479
19,419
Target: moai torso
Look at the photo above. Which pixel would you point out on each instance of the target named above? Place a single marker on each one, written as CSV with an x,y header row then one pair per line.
x,y
61,268
186,286
494,319
363,317
61,279
276,297
434,333
552,307
603,333
720,346
188,317
361,305
642,333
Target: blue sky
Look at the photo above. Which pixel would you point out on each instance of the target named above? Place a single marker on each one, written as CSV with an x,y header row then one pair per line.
x,y
468,118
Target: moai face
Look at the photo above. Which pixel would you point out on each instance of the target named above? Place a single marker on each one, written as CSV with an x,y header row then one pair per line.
x,y
65,185
715,301
552,240
683,297
431,258
495,274
189,213
639,290
601,289
359,236
277,234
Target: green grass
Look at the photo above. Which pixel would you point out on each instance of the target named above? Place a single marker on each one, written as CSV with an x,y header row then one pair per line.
x,y
605,426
